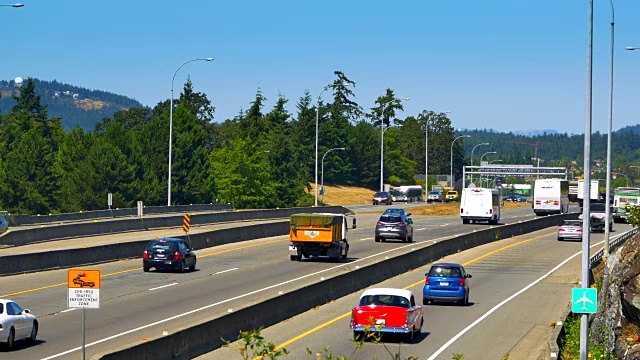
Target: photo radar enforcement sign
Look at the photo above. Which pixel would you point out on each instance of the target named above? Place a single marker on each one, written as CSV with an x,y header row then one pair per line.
x,y
186,223
84,288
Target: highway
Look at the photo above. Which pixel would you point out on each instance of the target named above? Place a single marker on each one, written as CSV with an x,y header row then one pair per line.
x,y
136,305
520,286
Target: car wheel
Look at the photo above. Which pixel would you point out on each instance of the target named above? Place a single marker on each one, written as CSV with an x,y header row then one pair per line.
x,y
377,239
181,267
11,339
193,266
466,299
465,221
145,268
34,332
425,301
383,239
559,238
411,336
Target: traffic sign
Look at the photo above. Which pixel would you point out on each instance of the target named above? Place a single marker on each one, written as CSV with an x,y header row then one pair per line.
x,y
186,223
584,300
84,288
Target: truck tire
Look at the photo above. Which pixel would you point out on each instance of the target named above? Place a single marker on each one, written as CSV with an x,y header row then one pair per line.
x,y
295,257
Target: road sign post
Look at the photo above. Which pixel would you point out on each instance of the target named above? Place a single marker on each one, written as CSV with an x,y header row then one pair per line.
x,y
84,292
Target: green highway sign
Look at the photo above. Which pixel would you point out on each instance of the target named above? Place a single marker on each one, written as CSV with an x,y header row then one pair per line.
x,y
584,300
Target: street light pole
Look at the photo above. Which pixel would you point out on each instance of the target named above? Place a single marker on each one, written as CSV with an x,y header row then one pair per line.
x,y
608,174
315,201
322,177
382,138
454,140
472,155
171,122
586,216
481,157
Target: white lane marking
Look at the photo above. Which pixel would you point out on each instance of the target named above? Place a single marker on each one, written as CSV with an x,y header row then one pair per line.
x,y
365,239
444,224
421,229
224,271
163,286
514,216
68,310
453,339
228,300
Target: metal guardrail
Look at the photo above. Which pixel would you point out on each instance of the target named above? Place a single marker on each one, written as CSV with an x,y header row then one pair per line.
x,y
613,243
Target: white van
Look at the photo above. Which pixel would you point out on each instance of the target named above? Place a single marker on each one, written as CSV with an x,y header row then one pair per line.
x,y
480,204
551,196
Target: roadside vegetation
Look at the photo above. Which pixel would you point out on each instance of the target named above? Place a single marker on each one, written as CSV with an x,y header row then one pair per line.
x,y
251,345
570,342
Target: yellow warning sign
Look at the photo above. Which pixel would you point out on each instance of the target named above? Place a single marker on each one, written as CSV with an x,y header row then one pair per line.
x,y
186,223
87,279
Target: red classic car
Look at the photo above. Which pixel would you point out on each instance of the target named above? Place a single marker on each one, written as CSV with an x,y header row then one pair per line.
x,y
387,310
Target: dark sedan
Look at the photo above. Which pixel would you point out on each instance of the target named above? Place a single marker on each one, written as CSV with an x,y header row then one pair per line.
x,y
514,198
168,253
382,197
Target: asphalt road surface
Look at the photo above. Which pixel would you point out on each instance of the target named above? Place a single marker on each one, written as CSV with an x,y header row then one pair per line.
x,y
135,305
520,287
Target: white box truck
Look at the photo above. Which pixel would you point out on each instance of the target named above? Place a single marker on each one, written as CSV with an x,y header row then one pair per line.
x,y
480,204
594,192
551,196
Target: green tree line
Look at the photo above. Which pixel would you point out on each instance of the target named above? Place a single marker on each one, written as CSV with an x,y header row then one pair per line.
x,y
261,158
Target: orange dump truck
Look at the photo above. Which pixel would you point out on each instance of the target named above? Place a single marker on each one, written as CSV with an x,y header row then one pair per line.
x,y
319,235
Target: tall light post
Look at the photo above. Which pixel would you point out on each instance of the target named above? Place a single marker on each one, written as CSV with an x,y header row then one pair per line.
x,y
472,155
426,156
453,142
322,177
586,216
481,157
315,202
609,130
17,5
171,122
382,138
625,176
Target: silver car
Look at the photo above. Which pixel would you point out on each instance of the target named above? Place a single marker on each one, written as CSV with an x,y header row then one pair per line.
x,y
570,229
394,226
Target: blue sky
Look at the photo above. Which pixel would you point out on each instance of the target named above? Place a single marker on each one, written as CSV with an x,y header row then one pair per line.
x,y
508,65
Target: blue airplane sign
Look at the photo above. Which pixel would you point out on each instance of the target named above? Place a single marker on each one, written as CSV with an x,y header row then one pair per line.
x,y
584,300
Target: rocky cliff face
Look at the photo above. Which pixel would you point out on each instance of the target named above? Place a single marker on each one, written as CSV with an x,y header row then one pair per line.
x,y
617,322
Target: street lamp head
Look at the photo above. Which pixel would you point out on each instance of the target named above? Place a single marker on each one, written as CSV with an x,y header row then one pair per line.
x,y
208,59
340,149
466,136
632,48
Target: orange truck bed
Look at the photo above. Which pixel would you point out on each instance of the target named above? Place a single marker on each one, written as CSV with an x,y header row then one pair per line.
x,y
317,228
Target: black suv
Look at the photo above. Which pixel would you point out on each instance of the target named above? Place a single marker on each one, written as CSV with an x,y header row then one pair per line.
x,y
382,197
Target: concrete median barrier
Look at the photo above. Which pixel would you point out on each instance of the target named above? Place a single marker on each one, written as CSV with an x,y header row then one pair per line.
x,y
16,264
206,336
113,226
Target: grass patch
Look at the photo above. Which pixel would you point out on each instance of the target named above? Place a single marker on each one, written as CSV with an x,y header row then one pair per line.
x,y
570,342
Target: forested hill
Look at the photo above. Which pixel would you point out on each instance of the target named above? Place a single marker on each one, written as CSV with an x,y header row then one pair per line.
x,y
552,149
75,105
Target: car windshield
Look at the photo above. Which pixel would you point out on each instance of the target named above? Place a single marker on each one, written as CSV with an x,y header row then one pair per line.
x,y
381,194
162,245
384,300
572,223
445,271
390,219
452,193
435,193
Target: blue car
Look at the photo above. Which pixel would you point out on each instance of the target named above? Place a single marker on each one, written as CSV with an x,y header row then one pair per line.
x,y
446,282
